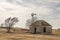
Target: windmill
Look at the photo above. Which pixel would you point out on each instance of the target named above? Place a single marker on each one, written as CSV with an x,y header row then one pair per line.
x,y
33,14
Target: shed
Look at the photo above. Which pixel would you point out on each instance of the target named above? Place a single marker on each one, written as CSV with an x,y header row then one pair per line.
x,y
41,27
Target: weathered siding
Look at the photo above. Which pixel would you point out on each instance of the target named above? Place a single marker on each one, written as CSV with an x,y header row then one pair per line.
x,y
41,30
49,29
41,27
32,29
38,30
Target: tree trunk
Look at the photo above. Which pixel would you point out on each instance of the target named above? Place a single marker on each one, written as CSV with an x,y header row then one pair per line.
x,y
8,29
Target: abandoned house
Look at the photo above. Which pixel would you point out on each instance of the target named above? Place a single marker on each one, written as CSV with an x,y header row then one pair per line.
x,y
40,26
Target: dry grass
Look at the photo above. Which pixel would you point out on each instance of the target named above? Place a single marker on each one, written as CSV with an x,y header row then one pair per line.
x,y
56,32
23,35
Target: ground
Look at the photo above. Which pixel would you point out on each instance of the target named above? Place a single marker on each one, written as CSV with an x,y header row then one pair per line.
x,y
23,35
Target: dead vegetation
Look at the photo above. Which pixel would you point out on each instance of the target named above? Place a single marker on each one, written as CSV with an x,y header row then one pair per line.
x,y
56,32
22,34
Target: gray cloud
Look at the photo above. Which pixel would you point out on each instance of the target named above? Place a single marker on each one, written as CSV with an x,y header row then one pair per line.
x,y
50,5
42,3
9,9
33,2
44,8
36,3
14,1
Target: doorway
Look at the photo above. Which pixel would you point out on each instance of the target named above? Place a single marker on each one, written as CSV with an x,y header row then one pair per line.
x,y
35,30
44,29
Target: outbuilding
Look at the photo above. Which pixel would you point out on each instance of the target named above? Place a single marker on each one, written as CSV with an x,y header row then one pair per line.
x,y
41,27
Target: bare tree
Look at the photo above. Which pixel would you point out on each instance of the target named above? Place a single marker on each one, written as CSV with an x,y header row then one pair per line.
x,y
9,22
30,21
2,24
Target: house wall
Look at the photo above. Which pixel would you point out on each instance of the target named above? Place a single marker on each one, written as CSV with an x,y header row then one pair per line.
x,y
32,29
49,29
41,29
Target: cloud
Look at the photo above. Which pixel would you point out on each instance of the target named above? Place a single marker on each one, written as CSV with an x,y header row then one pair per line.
x,y
48,10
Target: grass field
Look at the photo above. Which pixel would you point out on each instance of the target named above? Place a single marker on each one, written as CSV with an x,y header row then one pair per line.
x,y
24,35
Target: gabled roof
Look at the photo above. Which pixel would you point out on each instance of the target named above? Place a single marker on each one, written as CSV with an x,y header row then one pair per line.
x,y
41,23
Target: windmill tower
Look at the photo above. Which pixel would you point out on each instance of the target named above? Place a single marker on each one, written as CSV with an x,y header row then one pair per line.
x,y
33,14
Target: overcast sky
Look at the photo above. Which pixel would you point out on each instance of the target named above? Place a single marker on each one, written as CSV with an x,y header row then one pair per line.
x,y
48,10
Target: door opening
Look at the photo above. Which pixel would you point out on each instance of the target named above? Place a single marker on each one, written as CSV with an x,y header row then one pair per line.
x,y
35,30
44,29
